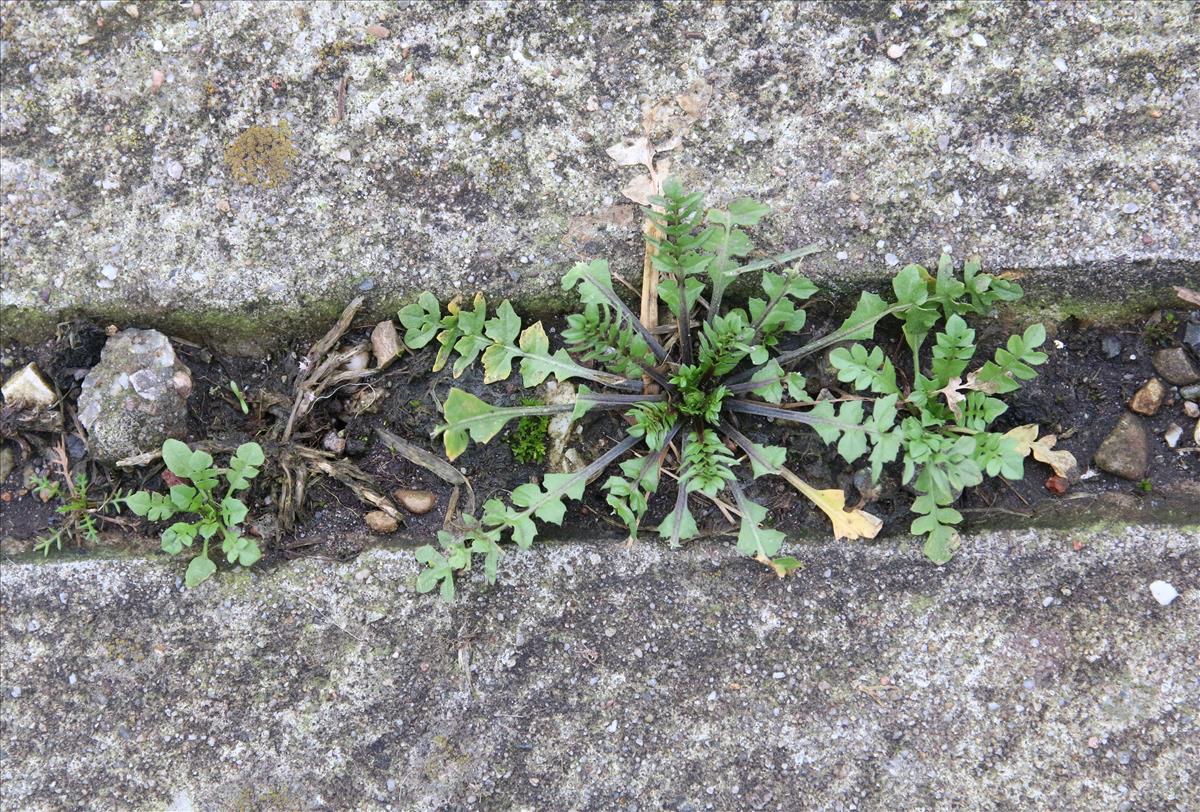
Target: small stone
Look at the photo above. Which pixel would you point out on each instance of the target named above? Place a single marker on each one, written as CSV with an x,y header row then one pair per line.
x,y
380,522
978,40
358,361
416,502
1191,336
1111,346
385,343
1163,592
1190,392
892,260
156,80
943,142
612,726
1130,208
15,693
1149,398
1191,408
26,388
1047,602
1174,365
378,31
334,443
1125,451
6,463
1029,684
1172,435
175,170
896,51
136,397
1061,64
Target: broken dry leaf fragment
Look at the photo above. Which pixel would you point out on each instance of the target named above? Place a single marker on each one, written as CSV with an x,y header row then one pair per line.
x,y
1027,442
1024,437
1063,462
631,152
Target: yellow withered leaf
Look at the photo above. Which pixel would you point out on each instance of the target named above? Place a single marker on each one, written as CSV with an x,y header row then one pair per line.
x,y
1063,462
1024,436
847,524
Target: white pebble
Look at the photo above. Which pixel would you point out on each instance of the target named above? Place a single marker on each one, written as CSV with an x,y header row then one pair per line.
x,y
892,260
1163,592
1130,208
175,169
612,726
1061,64
978,40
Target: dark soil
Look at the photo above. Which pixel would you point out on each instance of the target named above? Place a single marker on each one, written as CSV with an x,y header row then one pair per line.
x,y
1078,395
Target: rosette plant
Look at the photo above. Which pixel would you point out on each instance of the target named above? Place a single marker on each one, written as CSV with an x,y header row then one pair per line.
x,y
687,390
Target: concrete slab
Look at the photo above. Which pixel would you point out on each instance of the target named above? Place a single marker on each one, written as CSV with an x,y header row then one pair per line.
x,y
1037,670
463,148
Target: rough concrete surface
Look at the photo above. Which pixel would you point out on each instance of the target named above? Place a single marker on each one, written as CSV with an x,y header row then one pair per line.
x,y
1036,671
455,147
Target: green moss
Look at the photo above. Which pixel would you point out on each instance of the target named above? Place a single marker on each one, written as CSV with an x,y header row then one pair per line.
x,y
262,156
528,439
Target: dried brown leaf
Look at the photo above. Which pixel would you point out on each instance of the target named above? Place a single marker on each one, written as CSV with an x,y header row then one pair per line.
x,y
632,152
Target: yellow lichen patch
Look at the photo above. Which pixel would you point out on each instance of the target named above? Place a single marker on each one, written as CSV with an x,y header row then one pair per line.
x,y
262,156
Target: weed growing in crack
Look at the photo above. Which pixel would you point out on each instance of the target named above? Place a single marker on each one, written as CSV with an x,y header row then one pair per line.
x,y
196,494
719,366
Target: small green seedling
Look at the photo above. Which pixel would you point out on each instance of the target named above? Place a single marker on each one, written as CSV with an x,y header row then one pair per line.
x,y
80,512
237,393
197,495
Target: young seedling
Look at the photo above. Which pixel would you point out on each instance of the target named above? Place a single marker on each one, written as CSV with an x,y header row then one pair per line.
x,y
237,393
198,495
723,365
81,513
